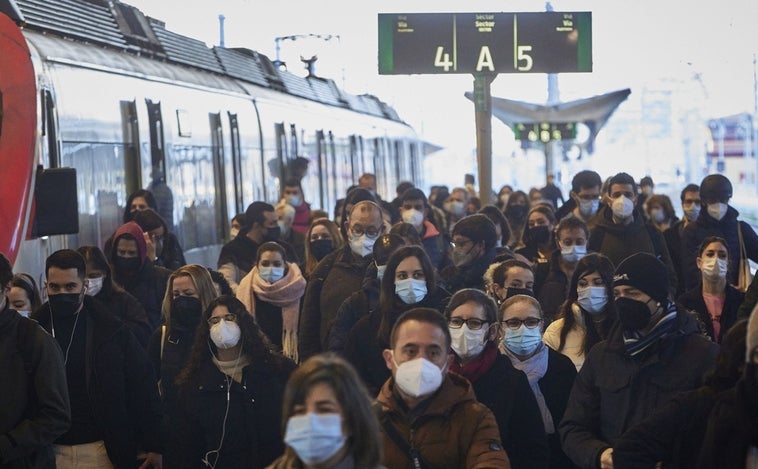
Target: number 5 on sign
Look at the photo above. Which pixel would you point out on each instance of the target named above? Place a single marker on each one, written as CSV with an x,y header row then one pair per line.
x,y
521,55
442,59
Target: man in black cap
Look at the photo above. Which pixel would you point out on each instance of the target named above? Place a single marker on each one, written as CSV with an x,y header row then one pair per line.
x,y
717,218
652,353
474,239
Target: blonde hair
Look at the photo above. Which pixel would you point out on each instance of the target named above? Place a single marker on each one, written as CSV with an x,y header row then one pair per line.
x,y
202,281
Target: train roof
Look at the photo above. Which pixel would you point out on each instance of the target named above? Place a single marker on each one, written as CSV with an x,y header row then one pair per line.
x,y
118,26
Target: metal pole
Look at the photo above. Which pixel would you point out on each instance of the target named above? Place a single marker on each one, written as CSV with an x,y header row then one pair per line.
x,y
221,19
483,111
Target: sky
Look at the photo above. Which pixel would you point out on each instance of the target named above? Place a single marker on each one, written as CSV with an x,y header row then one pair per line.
x,y
705,47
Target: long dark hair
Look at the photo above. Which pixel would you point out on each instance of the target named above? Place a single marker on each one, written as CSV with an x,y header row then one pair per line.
x,y
145,194
595,332
93,255
255,345
364,442
388,307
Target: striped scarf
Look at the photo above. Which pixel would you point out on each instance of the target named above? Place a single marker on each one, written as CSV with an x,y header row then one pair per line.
x,y
635,343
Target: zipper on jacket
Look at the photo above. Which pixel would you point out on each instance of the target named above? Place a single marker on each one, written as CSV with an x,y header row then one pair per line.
x,y
414,452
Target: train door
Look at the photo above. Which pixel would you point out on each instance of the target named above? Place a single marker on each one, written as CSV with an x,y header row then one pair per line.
x,y
219,177
236,198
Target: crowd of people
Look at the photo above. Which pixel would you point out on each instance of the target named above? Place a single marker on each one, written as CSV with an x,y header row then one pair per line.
x,y
436,330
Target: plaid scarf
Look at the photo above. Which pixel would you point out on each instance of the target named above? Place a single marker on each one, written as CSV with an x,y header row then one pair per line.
x,y
635,343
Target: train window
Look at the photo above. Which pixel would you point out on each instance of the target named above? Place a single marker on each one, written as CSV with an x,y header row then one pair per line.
x,y
183,123
49,127
157,142
132,162
219,178
343,165
311,182
236,174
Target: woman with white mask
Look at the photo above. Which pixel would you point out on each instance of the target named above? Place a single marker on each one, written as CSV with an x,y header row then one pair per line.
x,y
272,292
328,419
550,374
586,316
409,281
472,320
714,300
230,394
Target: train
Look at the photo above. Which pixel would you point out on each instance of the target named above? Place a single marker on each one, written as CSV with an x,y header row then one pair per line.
x,y
98,100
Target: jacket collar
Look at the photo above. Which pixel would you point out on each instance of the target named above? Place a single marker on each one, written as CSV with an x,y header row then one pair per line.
x,y
453,391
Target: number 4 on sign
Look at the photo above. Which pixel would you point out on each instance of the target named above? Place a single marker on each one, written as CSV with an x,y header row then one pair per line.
x,y
442,59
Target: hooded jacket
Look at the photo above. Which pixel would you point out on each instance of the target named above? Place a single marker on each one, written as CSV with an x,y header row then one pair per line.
x,y
453,430
614,391
470,276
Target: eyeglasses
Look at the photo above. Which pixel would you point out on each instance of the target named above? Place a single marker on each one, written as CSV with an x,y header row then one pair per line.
x,y
473,323
460,244
371,232
516,323
229,317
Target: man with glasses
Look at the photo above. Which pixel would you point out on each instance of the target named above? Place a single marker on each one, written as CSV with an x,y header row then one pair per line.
x,y
654,352
337,276
473,250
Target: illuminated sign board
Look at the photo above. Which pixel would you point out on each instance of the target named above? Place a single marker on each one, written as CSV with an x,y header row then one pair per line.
x,y
440,43
544,132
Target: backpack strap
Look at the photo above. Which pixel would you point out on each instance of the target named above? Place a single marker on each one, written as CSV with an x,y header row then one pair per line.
x,y
413,454
163,338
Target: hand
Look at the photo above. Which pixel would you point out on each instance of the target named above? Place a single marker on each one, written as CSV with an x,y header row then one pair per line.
x,y
153,460
150,246
606,459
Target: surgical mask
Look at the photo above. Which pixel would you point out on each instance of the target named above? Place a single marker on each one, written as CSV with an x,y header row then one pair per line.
x,y
633,314
127,264
410,290
225,334
691,212
717,210
314,437
94,285
588,208
622,207
522,341
233,233
362,245
539,234
321,247
713,268
657,215
185,312
65,304
468,343
417,377
463,258
504,198
573,253
24,313
273,234
271,273
282,227
455,207
592,299
380,271
414,217
293,200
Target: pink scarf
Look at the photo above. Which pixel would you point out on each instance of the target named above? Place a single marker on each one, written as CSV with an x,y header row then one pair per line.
x,y
285,293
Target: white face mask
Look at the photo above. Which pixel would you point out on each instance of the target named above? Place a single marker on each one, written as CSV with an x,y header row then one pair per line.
x,y
504,198
622,207
592,299
467,343
410,290
417,377
588,208
225,334
717,210
293,200
573,253
315,437
713,268
270,273
24,313
414,217
455,207
233,233
362,245
657,215
94,285
691,212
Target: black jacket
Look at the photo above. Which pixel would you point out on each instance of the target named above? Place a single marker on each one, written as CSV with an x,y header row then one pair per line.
x,y
356,306
34,409
550,285
127,308
120,384
693,301
726,228
673,238
252,436
614,391
336,277
149,287
470,276
172,255
506,392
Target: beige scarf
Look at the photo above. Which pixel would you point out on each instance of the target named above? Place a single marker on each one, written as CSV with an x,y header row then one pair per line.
x,y
285,293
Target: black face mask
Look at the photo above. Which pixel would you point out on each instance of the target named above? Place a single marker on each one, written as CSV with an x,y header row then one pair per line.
x,y
272,234
513,291
539,234
65,304
515,212
185,312
633,314
129,265
321,247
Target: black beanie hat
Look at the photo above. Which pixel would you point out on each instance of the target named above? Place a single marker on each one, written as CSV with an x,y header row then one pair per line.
x,y
646,273
477,228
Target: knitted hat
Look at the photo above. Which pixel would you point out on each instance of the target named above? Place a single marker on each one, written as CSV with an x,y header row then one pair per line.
x,y
646,273
477,228
752,333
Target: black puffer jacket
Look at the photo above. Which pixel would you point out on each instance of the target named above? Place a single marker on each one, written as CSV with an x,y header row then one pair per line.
x,y
356,306
127,308
693,301
614,391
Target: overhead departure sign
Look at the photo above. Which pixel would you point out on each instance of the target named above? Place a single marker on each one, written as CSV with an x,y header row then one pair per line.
x,y
544,131
545,42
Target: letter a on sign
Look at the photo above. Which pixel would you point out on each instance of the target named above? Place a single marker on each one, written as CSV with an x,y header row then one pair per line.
x,y
485,60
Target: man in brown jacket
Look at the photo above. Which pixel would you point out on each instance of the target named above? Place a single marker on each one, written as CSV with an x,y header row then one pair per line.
x,y
431,418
